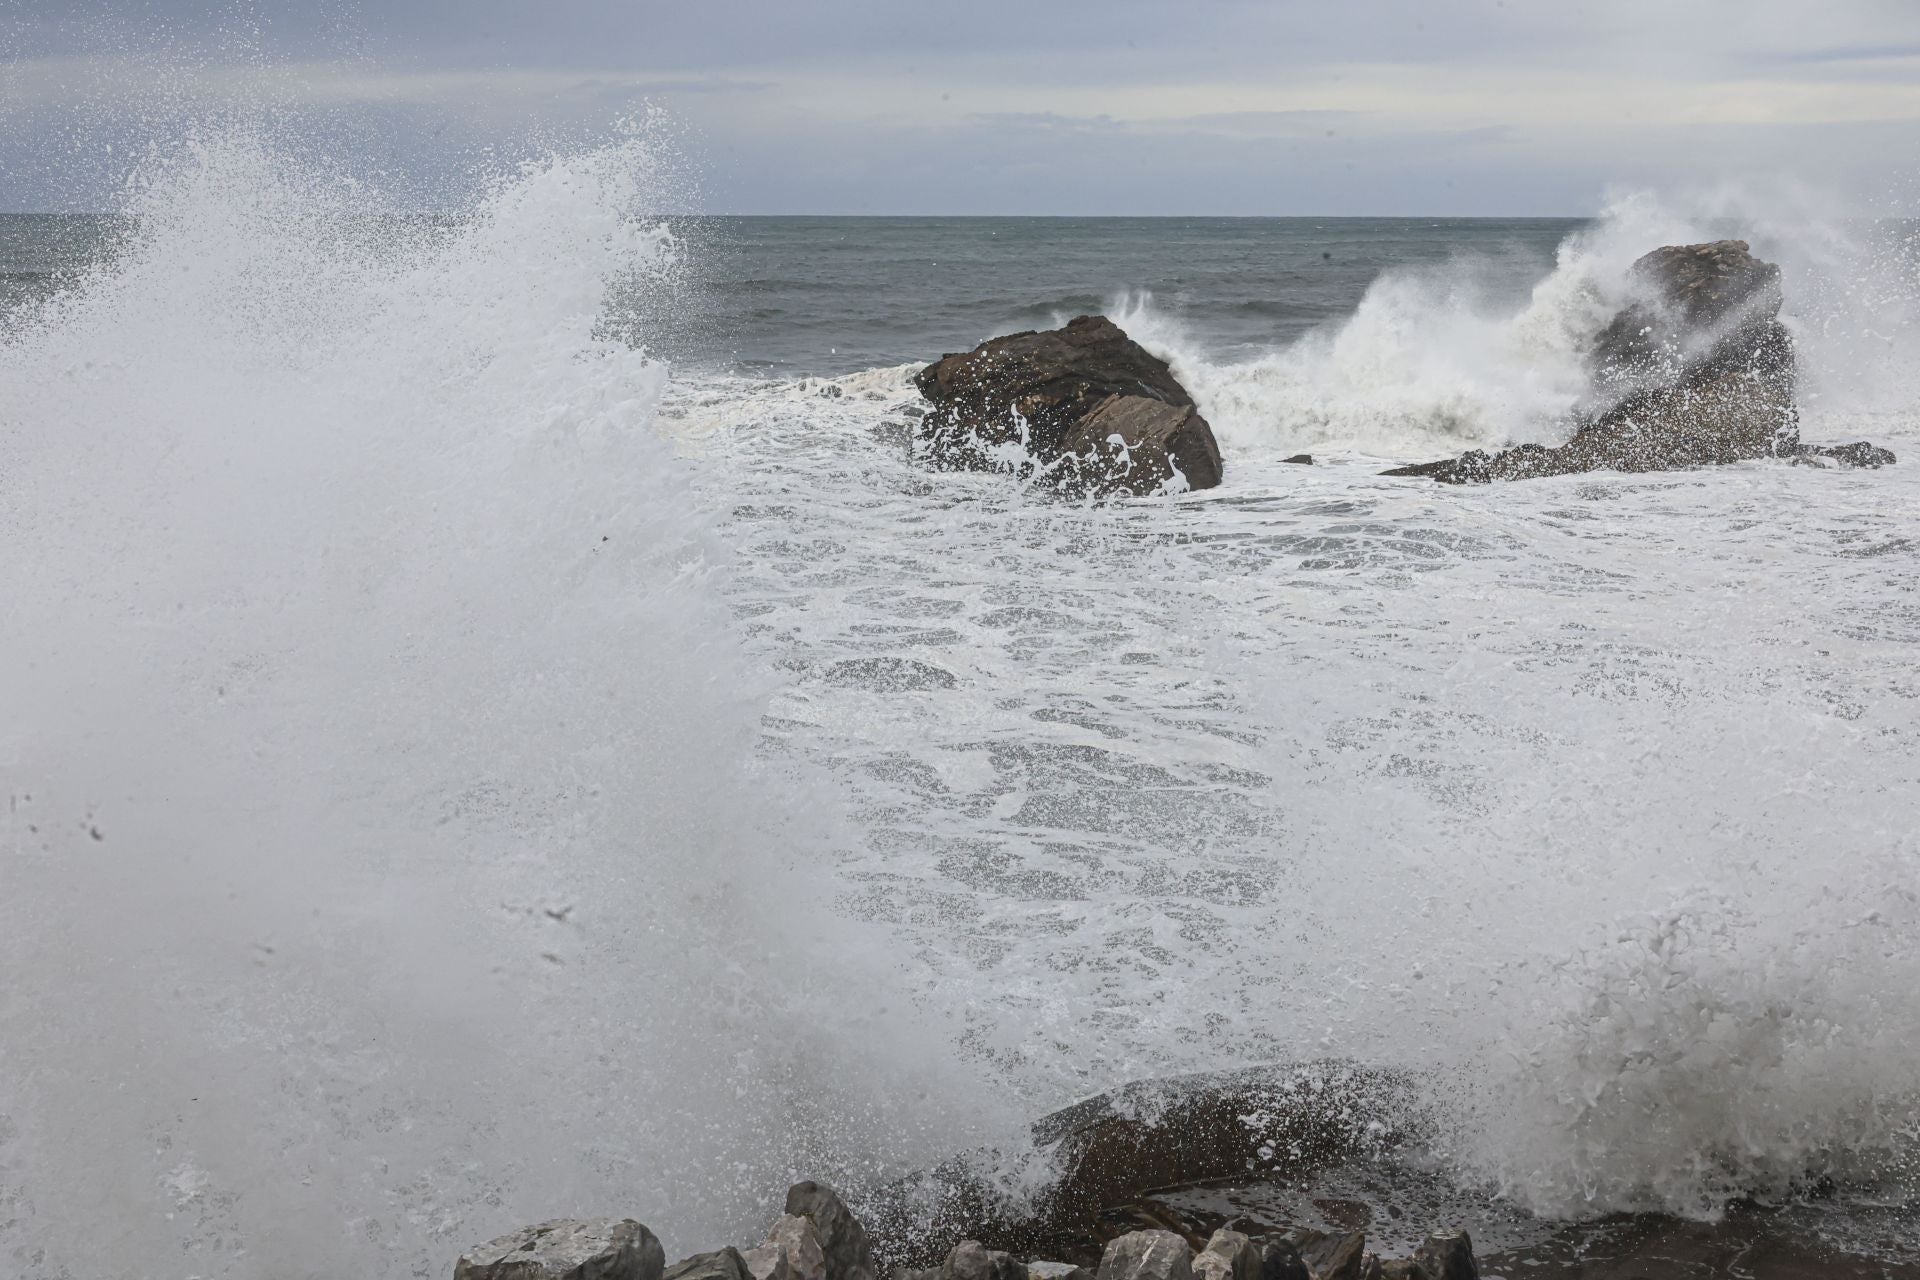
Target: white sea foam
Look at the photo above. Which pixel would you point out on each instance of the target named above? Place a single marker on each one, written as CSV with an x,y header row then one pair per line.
x,y
1437,360
436,807
1586,798
387,862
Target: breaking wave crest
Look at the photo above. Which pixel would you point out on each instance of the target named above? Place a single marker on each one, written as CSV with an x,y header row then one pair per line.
x,y
436,805
387,859
1443,359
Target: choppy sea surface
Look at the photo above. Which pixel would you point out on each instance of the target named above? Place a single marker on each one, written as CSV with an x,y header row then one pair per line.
x,y
498,727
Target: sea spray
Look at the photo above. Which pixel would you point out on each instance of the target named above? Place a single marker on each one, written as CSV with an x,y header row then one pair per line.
x,y
1324,764
1444,357
387,858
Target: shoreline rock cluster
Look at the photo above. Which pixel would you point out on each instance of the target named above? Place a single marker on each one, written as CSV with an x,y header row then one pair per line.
x,y
1697,370
818,1238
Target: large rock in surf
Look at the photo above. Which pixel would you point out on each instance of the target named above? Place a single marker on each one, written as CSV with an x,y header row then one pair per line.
x,y
843,1241
1147,1255
568,1249
1229,1255
1697,371
1085,407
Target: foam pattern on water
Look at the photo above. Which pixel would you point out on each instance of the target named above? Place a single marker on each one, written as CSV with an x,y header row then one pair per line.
x,y
1586,794
434,807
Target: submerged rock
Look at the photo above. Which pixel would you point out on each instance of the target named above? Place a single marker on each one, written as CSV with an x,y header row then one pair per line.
x,y
1085,407
1147,1255
568,1249
1698,372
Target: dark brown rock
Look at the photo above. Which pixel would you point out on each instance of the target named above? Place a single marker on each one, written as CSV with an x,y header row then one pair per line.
x,y
1084,407
567,1249
1698,371
1300,459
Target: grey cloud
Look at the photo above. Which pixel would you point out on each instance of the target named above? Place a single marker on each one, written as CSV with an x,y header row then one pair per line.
x,y
1005,106
1047,120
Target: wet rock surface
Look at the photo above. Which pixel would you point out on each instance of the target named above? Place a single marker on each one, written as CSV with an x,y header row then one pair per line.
x,y
1291,1174
844,1246
1698,371
567,1249
1147,1255
1083,407
722,1264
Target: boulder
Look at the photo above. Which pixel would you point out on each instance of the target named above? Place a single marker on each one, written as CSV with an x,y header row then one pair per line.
x,y
568,1249
848,1251
971,1260
1330,1255
1697,371
1229,1255
722,1264
1147,1255
1084,407
1447,1256
1279,1260
1057,1271
792,1252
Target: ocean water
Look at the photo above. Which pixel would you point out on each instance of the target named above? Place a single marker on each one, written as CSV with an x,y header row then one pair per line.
x,y
499,728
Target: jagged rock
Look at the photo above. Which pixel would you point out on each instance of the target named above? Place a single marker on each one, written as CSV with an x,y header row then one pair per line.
x,y
722,1264
1699,371
767,1262
1370,1268
1279,1260
1084,406
1147,1255
792,1252
971,1260
568,1249
1057,1271
1447,1256
1331,1256
849,1253
1228,1256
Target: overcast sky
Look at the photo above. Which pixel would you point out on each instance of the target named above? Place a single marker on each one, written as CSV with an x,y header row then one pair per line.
x,y
1006,106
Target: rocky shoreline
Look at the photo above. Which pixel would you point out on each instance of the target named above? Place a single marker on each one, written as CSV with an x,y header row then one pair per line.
x,y
1287,1172
819,1238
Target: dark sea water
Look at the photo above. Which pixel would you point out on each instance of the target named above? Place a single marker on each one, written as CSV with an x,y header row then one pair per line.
x,y
782,297
827,296
497,725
